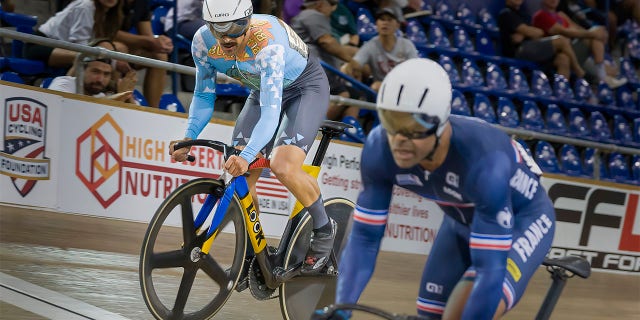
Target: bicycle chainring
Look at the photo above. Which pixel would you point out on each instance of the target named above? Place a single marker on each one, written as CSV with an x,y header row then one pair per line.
x,y
257,286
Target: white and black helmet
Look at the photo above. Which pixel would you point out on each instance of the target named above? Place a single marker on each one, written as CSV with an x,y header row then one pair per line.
x,y
227,17
420,87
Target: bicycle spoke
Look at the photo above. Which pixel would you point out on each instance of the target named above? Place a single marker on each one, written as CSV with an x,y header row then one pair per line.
x,y
171,259
188,229
185,288
213,269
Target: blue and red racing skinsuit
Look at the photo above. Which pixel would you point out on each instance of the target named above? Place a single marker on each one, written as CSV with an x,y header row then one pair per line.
x,y
497,228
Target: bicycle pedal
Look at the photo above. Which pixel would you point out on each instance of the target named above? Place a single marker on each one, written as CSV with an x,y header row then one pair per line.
x,y
243,284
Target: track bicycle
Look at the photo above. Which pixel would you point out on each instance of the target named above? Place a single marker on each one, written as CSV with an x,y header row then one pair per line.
x,y
223,247
561,269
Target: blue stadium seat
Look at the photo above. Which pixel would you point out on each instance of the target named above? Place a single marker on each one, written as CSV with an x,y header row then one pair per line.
x,y
157,19
484,43
546,157
465,15
582,91
471,74
461,40
619,168
605,94
562,88
570,161
415,32
354,134
444,11
628,71
170,102
540,84
231,89
11,76
555,120
507,113
483,109
447,63
438,35
139,98
365,24
622,130
459,104
599,127
636,130
486,19
578,124
517,81
588,162
495,78
635,168
46,82
531,116
624,96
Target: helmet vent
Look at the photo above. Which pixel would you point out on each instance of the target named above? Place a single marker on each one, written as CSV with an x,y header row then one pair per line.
x,y
237,6
399,94
424,94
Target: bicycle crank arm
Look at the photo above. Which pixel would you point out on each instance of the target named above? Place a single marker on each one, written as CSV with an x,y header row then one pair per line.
x,y
283,275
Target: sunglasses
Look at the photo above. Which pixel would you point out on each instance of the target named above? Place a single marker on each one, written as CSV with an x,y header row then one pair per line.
x,y
231,29
394,127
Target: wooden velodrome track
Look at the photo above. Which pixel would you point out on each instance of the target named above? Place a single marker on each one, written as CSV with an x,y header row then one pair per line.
x,y
95,261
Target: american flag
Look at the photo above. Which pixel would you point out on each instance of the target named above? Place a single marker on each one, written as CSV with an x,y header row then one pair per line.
x,y
269,186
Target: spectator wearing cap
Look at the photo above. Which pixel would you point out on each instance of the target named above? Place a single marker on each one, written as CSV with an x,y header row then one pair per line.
x,y
379,55
97,76
313,25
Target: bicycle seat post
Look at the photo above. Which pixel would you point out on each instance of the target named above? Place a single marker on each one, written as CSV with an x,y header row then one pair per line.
x,y
330,129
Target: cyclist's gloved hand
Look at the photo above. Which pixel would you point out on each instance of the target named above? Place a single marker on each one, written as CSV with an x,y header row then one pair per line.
x,y
327,314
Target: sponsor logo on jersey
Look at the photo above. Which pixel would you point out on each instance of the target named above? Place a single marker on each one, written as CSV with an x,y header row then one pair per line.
x,y
513,270
524,184
505,218
452,179
526,245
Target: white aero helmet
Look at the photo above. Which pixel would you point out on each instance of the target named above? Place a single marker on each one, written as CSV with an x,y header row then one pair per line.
x,y
227,17
420,87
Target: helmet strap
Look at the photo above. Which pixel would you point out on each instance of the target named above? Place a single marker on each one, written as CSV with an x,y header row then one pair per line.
x,y
429,157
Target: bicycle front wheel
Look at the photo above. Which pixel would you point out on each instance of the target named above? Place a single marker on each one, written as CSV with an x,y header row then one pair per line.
x,y
300,296
177,280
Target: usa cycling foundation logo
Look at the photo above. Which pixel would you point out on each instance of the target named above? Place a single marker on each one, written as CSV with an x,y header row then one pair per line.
x,y
98,160
23,158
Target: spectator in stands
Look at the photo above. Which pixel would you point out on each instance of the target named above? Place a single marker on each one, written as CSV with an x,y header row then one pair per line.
x,y
523,41
79,22
344,28
143,42
383,52
98,73
189,18
313,26
584,40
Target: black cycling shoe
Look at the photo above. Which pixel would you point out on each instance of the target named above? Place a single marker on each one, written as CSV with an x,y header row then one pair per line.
x,y
320,246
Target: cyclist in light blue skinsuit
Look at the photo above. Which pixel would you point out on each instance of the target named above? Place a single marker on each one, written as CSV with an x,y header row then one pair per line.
x,y
499,222
266,55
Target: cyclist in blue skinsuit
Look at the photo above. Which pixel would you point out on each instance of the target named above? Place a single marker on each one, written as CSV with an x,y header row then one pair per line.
x,y
498,223
266,55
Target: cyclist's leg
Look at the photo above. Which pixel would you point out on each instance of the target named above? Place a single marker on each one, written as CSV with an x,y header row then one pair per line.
x,y
443,268
532,237
305,107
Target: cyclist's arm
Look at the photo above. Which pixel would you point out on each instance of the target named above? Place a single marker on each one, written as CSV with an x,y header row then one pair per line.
x,y
369,222
204,95
491,234
270,61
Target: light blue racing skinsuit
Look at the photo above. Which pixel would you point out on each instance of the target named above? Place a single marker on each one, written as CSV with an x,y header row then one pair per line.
x,y
274,63
498,225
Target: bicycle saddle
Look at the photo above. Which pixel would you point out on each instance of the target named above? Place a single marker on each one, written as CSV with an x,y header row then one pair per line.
x,y
575,265
335,126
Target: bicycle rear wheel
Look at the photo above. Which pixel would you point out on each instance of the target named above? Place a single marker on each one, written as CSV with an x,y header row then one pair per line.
x,y
300,296
177,280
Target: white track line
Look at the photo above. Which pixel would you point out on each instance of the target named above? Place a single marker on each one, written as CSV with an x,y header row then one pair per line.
x,y
47,303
